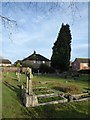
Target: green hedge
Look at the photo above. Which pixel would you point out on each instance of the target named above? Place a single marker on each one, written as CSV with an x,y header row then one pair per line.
x,y
87,71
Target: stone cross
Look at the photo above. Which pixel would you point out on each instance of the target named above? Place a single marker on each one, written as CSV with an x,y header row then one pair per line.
x,y
18,74
29,80
30,87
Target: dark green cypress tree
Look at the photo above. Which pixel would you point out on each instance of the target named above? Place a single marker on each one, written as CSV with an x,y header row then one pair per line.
x,y
60,59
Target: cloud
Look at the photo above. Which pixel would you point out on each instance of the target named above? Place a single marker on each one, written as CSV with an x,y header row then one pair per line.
x,y
38,31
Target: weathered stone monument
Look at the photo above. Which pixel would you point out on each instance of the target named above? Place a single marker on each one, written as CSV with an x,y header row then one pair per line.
x,y
29,99
29,81
18,74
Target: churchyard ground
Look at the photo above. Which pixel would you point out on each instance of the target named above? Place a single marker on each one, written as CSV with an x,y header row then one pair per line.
x,y
12,106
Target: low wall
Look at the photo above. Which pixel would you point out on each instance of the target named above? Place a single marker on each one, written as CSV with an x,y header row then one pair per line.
x,y
54,102
12,69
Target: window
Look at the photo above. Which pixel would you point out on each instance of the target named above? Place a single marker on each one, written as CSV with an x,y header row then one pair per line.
x,y
34,61
43,61
38,62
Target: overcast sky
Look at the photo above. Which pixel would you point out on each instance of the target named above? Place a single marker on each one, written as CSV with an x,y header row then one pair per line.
x,y
37,28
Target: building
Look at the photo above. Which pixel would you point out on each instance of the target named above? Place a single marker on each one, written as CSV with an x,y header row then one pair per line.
x,y
5,62
35,60
81,64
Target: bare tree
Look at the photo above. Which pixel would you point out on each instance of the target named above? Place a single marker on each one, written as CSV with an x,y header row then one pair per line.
x,y
71,8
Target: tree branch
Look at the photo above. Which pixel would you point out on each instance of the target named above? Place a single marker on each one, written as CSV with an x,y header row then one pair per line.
x,y
8,20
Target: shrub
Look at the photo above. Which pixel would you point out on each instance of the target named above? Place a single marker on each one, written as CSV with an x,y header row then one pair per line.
x,y
18,64
44,68
51,70
27,65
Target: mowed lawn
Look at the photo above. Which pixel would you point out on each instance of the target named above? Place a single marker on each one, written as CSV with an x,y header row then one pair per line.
x,y
12,106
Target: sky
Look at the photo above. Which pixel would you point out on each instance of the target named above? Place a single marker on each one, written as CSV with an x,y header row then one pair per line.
x,y
38,25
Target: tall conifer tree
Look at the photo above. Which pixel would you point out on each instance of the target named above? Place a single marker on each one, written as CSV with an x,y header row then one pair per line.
x,y
62,49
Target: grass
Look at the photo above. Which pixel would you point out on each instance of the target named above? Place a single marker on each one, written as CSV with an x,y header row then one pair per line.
x,y
49,99
12,106
0,97
42,91
55,82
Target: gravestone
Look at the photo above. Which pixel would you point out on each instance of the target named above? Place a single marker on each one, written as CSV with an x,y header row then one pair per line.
x,y
18,74
29,99
29,81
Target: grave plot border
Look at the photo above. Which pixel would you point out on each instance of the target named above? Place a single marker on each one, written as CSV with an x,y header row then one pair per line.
x,y
31,100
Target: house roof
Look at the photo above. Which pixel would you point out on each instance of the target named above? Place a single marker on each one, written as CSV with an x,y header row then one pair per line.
x,y
83,60
37,57
5,61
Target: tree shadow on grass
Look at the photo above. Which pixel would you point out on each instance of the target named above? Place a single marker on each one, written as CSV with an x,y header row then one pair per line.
x,y
17,90
59,111
13,78
86,90
49,111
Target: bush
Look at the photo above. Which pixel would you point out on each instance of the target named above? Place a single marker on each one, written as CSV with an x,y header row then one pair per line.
x,y
27,65
35,70
44,68
51,70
